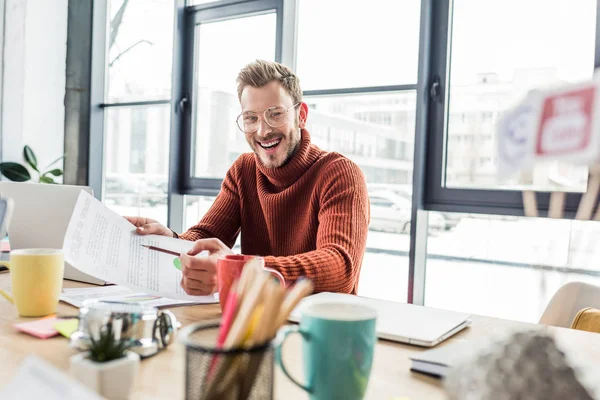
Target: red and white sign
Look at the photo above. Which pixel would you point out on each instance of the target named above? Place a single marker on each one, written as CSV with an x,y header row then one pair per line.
x,y
567,128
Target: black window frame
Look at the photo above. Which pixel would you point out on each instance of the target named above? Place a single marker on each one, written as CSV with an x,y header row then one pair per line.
x,y
435,196
187,183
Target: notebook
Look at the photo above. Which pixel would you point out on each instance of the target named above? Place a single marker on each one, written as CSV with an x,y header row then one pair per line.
x,y
400,322
438,362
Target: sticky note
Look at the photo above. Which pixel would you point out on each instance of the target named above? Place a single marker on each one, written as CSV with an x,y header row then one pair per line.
x,y
41,328
66,327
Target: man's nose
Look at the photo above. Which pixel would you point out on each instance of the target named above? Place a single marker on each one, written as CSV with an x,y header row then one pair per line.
x,y
263,128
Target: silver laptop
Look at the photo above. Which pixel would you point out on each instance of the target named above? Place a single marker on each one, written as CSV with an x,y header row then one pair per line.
x,y
399,322
40,218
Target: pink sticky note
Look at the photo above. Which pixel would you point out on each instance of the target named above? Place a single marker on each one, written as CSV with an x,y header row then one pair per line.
x,y
41,328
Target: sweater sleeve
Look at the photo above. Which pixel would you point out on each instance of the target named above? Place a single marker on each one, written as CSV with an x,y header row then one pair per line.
x,y
341,237
222,220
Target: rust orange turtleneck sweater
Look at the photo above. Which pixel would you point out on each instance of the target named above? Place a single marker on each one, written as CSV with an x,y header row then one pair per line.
x,y
308,218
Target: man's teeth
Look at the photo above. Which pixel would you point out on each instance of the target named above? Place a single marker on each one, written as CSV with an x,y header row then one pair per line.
x,y
270,144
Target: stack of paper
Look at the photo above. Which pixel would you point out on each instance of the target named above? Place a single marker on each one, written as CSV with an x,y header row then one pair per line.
x,y
76,296
37,379
105,245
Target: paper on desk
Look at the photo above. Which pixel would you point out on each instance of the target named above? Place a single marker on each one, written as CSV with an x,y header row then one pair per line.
x,y
103,244
37,379
42,328
76,296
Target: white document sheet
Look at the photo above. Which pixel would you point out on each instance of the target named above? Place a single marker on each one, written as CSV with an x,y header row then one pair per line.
x,y
76,297
38,379
104,244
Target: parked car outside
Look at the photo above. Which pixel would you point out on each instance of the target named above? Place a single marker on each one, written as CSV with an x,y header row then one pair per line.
x,y
405,191
392,213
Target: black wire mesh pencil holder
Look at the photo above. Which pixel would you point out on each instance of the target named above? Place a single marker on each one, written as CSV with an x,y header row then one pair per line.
x,y
232,374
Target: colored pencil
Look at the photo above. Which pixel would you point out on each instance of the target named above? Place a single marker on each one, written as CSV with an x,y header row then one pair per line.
x,y
255,309
173,253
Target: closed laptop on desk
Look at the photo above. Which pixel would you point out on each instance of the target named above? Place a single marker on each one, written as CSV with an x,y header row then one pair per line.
x,y
399,322
40,218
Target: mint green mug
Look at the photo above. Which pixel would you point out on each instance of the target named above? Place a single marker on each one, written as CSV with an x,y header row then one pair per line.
x,y
338,344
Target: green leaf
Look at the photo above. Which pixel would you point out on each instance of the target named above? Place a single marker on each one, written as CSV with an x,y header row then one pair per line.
x,y
14,171
46,179
106,347
30,157
55,172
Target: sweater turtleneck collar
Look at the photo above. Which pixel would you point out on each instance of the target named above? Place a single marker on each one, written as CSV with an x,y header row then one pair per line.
x,y
290,172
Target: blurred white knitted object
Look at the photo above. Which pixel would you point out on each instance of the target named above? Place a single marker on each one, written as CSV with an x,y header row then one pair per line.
x,y
528,365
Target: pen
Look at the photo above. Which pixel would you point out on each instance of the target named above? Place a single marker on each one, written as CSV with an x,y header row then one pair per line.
x,y
173,253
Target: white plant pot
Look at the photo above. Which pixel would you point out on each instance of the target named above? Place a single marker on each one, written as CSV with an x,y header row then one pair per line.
x,y
113,379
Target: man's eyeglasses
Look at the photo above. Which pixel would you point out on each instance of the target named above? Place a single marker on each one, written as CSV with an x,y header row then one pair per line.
x,y
275,117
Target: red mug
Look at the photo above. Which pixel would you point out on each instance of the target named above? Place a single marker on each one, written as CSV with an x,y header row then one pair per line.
x,y
229,269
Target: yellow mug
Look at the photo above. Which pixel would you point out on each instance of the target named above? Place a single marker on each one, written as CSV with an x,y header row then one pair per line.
x,y
36,280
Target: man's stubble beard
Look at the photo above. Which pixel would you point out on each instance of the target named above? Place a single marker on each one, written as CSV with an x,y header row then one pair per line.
x,y
295,145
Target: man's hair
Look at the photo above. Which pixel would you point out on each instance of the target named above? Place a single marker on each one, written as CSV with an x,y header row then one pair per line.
x,y
260,72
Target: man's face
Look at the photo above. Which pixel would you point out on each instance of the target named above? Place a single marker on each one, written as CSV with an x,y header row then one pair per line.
x,y
274,146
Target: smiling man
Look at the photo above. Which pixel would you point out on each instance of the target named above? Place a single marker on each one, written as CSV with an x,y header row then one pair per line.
x,y
305,210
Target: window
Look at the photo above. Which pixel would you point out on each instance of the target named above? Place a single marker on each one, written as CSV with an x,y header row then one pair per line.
x,y
363,49
139,46
216,133
235,35
501,265
138,140
492,68
196,207
336,124
508,267
380,202
483,69
136,151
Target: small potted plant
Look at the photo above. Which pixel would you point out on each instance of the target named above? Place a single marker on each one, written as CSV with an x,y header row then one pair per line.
x,y
22,173
108,366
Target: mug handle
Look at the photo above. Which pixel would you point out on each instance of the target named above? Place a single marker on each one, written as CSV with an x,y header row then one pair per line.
x,y
2,292
277,275
281,336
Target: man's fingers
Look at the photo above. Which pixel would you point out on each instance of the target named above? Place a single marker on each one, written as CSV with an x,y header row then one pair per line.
x,y
137,221
196,288
194,284
212,245
197,263
209,278
151,228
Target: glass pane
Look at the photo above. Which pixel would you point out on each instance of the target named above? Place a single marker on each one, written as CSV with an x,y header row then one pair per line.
x,y
234,43
376,131
513,269
348,44
136,161
140,47
195,208
493,67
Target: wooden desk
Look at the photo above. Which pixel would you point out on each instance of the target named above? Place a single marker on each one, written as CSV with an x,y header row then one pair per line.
x,y
162,376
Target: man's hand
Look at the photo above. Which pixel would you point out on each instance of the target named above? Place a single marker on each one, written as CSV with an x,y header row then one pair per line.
x,y
147,226
200,273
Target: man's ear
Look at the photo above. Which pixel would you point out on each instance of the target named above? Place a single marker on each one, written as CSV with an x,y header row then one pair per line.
x,y
303,115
